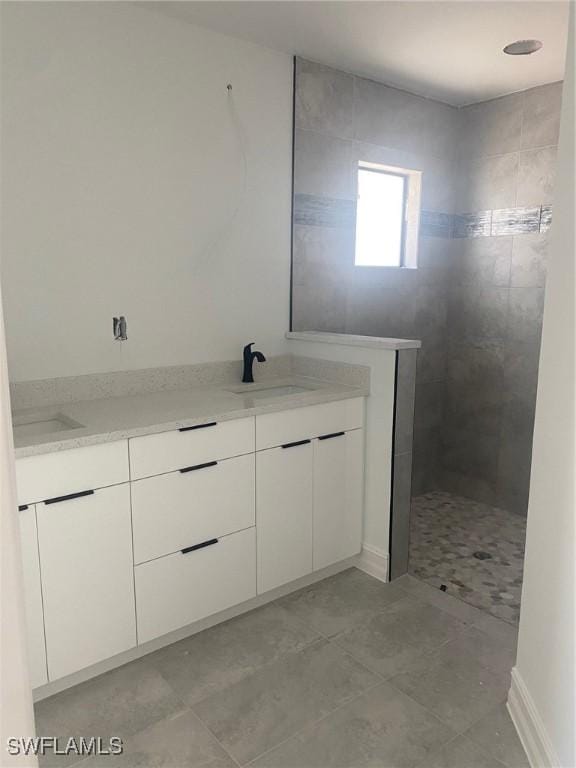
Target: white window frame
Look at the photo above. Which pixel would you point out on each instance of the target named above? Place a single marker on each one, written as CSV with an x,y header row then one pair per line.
x,y
411,217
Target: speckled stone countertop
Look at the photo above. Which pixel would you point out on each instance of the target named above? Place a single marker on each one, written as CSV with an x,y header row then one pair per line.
x,y
117,418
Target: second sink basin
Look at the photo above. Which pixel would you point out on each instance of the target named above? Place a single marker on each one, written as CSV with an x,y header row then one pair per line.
x,y
29,426
263,392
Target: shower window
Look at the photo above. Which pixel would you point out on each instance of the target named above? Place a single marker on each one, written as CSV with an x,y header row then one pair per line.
x,y
387,214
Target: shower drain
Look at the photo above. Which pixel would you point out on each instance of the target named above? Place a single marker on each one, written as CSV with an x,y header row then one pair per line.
x,y
482,555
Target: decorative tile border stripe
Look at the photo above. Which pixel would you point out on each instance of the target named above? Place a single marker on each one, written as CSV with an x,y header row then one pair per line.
x,y
316,211
515,221
545,218
493,223
472,224
433,224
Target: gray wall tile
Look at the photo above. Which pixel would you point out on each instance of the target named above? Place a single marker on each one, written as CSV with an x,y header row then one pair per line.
x,y
536,176
324,99
541,123
486,183
405,386
432,357
471,454
394,118
483,260
492,127
429,404
400,517
525,314
477,311
426,461
322,255
323,165
529,261
474,390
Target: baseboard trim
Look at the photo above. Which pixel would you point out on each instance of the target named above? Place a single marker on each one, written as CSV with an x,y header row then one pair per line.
x,y
529,725
374,562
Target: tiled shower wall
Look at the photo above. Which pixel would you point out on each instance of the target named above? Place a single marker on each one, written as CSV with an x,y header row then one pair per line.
x,y
475,300
504,177
339,120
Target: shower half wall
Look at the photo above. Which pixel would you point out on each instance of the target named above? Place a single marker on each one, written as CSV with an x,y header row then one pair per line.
x,y
475,299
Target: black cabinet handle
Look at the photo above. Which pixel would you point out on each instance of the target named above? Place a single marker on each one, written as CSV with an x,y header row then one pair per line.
x,y
198,466
329,437
298,442
199,546
22,507
198,426
70,496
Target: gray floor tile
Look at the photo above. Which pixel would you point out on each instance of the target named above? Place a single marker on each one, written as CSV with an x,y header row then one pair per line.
x,y
505,633
453,605
342,601
382,728
458,698
221,656
176,742
496,734
118,703
392,641
460,753
277,700
472,648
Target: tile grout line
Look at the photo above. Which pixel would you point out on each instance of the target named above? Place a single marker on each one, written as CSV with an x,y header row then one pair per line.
x,y
314,723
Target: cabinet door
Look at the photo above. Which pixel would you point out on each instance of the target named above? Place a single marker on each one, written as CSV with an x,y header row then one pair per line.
x,y
338,484
284,514
87,578
33,597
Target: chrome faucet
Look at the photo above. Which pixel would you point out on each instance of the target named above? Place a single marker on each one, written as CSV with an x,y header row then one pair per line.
x,y
249,356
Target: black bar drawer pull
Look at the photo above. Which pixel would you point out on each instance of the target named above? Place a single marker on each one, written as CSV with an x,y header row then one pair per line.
x,y
329,437
70,496
199,546
22,507
198,426
298,442
198,466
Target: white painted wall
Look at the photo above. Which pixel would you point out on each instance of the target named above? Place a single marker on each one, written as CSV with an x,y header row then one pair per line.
x,y
121,173
543,694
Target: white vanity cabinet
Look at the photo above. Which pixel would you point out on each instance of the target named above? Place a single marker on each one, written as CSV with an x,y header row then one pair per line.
x,y
81,499
284,494
87,579
309,489
128,541
338,496
33,596
193,517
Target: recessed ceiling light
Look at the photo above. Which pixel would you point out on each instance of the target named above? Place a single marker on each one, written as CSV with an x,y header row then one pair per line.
x,y
523,47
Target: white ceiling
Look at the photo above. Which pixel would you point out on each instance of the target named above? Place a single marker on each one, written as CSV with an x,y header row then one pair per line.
x,y
451,51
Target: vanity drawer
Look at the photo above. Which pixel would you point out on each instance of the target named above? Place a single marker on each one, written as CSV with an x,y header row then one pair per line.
x,y
178,589
173,511
169,451
51,475
273,429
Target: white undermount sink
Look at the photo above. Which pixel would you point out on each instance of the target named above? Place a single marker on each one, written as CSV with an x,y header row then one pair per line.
x,y
30,426
263,392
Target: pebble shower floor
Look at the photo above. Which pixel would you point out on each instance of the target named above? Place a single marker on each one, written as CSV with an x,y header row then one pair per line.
x,y
474,550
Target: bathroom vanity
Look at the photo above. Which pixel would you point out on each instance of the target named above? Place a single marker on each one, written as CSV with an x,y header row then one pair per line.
x,y
126,540
158,504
